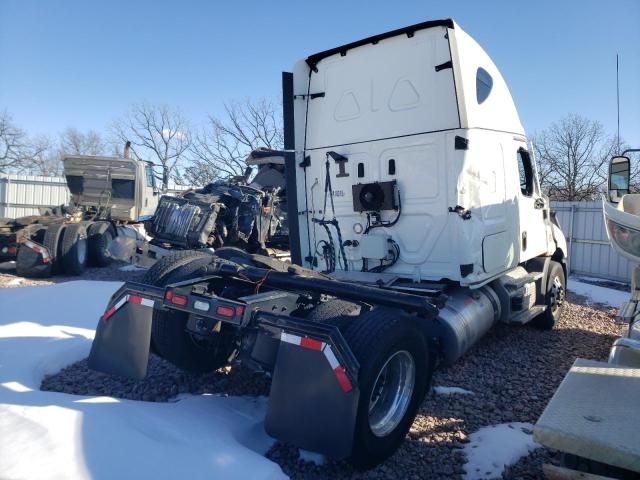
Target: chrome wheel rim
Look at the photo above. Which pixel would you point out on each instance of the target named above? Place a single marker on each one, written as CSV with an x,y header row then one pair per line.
x,y
556,294
391,393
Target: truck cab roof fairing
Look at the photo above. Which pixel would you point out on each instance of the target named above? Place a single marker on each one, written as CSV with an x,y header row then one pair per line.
x,y
312,60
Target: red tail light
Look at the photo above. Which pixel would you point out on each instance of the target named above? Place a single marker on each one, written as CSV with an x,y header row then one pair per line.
x,y
179,300
225,311
175,299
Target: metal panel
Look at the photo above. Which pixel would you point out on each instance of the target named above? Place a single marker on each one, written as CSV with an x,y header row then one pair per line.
x,y
22,195
589,250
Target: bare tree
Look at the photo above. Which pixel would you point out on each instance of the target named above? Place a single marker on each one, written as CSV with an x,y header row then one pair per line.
x,y
157,133
220,149
572,156
40,156
12,144
75,142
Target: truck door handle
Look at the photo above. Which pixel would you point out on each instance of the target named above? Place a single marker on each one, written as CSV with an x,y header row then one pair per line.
x,y
538,204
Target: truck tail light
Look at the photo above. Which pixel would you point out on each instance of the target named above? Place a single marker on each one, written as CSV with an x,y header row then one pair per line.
x,y
225,311
175,299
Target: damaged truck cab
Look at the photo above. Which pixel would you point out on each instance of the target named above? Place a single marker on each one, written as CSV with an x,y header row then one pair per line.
x,y
416,222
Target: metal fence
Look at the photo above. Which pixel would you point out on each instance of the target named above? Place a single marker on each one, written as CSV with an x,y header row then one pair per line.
x,y
589,250
22,195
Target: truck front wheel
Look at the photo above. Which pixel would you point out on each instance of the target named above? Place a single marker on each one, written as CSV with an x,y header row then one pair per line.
x,y
169,336
395,373
554,298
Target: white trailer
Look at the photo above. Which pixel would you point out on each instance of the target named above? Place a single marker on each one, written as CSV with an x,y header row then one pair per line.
x,y
416,223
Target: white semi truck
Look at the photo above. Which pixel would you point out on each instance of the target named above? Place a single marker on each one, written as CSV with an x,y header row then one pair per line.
x,y
416,223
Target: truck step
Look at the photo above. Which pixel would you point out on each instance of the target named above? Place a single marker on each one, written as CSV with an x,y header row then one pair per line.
x,y
627,311
527,315
519,282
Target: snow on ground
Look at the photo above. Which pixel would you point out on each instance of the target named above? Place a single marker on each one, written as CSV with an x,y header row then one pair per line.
x,y
605,296
56,435
313,457
492,448
132,268
452,391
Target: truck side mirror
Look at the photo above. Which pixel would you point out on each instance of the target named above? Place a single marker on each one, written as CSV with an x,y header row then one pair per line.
x,y
618,178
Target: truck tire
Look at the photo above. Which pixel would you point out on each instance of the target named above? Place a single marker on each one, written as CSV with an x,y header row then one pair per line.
x,y
74,249
100,235
29,263
335,312
169,337
53,244
554,298
395,374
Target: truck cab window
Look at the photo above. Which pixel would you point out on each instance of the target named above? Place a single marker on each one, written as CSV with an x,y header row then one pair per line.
x,y
151,181
525,170
484,83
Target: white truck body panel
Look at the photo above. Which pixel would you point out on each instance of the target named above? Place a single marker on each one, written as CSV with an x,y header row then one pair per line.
x,y
385,101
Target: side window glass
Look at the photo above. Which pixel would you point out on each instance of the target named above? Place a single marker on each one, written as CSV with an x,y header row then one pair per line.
x,y
150,178
484,83
526,172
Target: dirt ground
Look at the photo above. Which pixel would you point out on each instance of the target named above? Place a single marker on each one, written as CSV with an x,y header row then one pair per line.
x,y
513,372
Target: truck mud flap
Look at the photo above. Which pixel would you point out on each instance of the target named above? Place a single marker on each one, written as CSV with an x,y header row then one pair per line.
x,y
314,392
123,335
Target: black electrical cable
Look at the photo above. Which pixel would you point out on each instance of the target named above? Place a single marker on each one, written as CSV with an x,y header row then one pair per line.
x,y
384,224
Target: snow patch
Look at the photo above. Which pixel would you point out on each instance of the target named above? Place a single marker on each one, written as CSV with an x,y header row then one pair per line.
x,y
132,268
452,391
45,328
597,294
307,456
495,447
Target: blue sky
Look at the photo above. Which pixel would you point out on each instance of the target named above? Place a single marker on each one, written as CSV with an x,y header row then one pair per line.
x,y
81,63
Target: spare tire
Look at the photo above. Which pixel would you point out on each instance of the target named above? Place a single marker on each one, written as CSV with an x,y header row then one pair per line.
x,y
74,249
53,244
169,337
100,235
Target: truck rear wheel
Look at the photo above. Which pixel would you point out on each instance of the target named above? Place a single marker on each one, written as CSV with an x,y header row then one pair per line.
x,y
554,298
395,373
52,242
100,236
74,249
169,337
336,312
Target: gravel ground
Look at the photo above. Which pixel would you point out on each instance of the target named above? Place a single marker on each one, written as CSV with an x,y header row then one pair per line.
x,y
513,373
9,279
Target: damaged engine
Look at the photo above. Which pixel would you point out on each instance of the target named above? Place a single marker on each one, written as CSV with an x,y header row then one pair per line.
x,y
248,215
